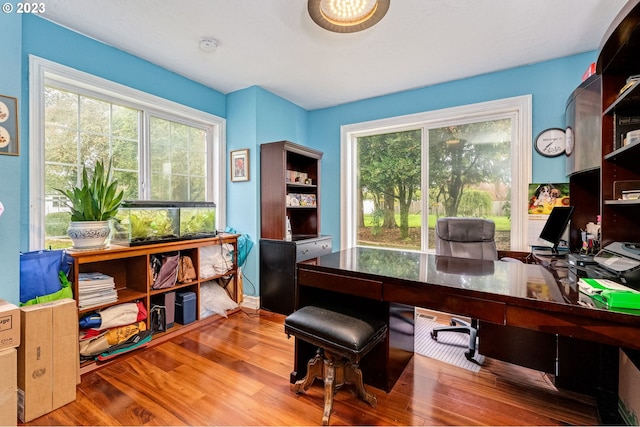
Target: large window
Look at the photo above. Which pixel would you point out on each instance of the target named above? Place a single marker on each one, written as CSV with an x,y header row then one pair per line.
x,y
178,154
401,174
159,150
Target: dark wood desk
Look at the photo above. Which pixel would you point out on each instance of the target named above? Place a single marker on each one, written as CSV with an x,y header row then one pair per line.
x,y
391,283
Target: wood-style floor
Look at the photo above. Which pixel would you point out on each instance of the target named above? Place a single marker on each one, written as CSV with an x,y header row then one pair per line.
x,y
236,372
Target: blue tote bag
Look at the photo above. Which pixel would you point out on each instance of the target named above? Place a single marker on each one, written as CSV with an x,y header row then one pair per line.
x,y
39,272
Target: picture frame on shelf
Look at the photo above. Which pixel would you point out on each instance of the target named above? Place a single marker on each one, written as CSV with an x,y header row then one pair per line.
x,y
240,165
9,144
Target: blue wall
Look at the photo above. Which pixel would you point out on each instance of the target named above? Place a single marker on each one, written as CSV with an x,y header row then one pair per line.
x,y
254,116
25,35
50,41
550,84
10,184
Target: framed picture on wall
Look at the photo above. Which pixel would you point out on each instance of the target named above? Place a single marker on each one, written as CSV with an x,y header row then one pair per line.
x,y
8,125
240,165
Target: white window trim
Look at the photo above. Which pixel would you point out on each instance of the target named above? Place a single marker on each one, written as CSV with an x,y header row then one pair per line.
x,y
516,108
42,70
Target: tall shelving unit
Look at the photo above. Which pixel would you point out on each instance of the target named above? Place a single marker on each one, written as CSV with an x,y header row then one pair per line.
x,y
289,188
276,159
597,190
619,59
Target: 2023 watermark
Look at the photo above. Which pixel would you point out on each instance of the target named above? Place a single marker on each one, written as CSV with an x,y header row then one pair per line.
x,y
24,8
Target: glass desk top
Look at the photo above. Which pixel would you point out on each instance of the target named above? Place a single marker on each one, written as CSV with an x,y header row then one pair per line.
x,y
498,278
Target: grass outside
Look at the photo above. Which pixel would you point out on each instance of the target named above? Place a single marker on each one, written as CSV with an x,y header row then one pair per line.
x,y
415,221
385,237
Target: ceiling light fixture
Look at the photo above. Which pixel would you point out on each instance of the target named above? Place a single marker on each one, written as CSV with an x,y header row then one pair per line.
x,y
347,16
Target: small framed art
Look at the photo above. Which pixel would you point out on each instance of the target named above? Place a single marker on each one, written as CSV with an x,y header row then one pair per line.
x,y
240,165
8,125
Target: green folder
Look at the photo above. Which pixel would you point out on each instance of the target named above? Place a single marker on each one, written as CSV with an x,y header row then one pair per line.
x,y
621,299
611,294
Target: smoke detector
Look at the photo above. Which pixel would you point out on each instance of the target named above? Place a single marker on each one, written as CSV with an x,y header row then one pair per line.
x,y
208,45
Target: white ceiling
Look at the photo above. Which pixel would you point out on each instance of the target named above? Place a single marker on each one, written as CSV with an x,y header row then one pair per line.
x,y
274,44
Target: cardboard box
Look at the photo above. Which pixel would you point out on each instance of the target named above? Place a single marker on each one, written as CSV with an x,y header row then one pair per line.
x,y
48,359
8,387
628,383
9,325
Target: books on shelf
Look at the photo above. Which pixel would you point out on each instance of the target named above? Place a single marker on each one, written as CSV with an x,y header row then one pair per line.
x,y
298,177
296,199
632,80
94,278
95,289
630,194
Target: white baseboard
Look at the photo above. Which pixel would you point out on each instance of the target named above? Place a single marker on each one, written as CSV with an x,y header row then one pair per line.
x,y
250,302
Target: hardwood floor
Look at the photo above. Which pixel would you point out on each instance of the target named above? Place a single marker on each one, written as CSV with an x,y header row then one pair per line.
x,y
236,372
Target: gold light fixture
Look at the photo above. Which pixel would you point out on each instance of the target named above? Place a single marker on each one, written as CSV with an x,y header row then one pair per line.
x,y
347,16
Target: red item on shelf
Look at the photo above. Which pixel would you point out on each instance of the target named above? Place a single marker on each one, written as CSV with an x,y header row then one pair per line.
x,y
591,70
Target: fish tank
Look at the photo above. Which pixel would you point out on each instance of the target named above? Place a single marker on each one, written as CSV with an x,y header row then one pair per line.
x,y
141,222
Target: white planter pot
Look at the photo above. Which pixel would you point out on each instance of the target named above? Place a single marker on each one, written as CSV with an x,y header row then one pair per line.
x,y
88,234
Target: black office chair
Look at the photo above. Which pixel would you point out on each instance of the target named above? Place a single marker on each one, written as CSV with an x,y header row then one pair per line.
x,y
465,238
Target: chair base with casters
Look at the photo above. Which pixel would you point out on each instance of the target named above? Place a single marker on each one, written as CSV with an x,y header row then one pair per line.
x,y
465,238
343,338
458,325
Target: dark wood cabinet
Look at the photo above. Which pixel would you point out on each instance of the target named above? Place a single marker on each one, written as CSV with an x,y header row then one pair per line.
x,y
584,126
278,259
597,189
619,60
289,188
584,154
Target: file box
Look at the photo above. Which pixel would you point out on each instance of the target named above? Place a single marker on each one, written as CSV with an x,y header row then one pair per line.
x,y
185,307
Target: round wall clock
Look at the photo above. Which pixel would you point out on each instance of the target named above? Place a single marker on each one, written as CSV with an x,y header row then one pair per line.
x,y
551,142
569,141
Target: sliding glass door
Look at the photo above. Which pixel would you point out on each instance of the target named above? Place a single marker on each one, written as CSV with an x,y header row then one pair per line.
x,y
407,179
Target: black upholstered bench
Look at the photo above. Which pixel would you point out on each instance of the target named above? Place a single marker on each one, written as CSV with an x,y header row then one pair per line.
x,y
343,337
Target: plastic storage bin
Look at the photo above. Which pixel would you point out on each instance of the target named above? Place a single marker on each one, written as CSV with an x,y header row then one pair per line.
x,y
185,307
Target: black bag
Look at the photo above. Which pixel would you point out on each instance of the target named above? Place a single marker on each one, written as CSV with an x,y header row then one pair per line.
x,y
158,318
164,270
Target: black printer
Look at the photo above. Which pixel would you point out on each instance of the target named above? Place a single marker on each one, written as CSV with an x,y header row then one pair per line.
x,y
621,259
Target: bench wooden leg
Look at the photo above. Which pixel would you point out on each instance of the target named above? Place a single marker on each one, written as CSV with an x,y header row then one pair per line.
x,y
329,389
334,372
314,370
354,376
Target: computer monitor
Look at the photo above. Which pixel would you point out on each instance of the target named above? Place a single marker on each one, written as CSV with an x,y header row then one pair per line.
x,y
557,222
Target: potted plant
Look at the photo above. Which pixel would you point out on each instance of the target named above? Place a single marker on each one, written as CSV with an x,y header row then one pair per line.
x,y
92,205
